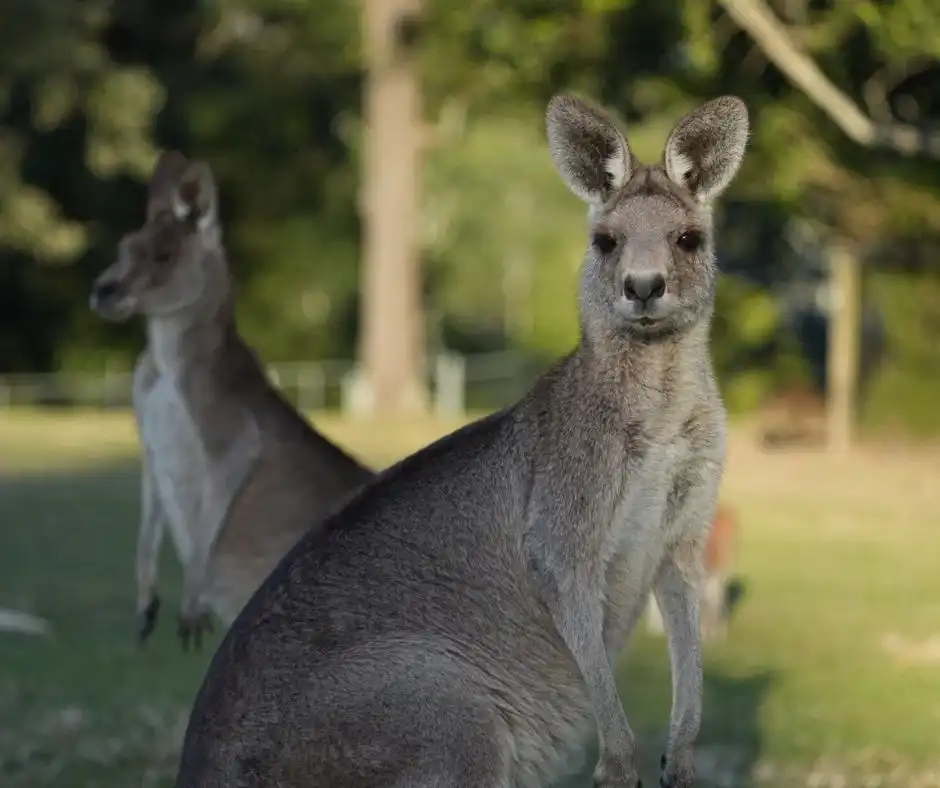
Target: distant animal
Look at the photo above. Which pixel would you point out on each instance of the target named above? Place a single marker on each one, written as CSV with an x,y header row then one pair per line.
x,y
718,565
457,622
227,461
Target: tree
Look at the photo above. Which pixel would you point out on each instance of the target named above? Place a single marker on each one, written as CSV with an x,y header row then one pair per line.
x,y
391,340
70,116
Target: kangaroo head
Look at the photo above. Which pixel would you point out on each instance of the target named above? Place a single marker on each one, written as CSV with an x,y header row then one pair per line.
x,y
649,271
165,266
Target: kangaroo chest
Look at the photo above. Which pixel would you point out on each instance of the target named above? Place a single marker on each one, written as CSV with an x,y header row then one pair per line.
x,y
644,522
176,458
176,454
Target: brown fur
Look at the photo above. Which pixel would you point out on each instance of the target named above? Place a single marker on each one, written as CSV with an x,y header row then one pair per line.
x,y
719,561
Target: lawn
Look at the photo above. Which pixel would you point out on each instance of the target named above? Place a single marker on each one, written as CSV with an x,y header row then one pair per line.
x,y
830,675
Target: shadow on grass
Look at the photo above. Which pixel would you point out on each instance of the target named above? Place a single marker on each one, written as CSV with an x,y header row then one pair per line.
x,y
85,706
729,744
730,741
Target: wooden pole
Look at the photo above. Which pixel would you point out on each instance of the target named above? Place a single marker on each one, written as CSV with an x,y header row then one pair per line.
x,y
843,347
392,326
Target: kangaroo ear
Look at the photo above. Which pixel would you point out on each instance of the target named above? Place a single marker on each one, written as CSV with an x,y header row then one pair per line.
x,y
589,151
170,166
705,149
195,198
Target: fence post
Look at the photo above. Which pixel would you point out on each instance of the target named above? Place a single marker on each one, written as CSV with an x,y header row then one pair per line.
x,y
450,373
311,387
842,361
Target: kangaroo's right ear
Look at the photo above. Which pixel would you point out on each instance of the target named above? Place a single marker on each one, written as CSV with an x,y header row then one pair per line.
x,y
195,197
170,166
590,153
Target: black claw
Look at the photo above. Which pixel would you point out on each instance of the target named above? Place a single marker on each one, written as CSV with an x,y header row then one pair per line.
x,y
190,631
663,782
148,620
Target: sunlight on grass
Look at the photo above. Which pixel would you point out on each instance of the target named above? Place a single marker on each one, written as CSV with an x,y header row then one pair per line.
x,y
35,440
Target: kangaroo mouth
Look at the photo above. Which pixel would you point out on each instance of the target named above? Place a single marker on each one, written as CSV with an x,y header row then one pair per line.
x,y
113,310
651,329
644,322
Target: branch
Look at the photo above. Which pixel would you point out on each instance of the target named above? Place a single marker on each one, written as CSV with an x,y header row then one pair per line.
x,y
759,22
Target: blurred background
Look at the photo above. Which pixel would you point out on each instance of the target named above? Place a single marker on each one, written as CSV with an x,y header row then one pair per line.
x,y
405,259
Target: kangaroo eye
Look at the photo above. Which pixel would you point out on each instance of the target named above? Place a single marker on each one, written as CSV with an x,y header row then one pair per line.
x,y
604,243
690,241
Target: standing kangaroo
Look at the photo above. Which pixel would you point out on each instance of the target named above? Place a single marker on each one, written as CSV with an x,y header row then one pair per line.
x,y
717,564
236,471
458,621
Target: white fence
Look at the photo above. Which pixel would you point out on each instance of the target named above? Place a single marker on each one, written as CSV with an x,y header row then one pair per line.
x,y
456,383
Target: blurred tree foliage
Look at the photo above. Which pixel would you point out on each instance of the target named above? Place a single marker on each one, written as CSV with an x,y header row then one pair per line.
x,y
268,92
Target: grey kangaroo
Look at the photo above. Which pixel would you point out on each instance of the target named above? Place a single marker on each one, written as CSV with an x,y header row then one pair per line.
x,y
458,622
227,461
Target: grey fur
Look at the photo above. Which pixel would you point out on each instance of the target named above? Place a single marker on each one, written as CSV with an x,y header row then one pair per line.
x,y
458,621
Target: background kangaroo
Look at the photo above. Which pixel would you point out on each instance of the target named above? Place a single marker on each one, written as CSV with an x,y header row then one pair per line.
x,y
236,471
718,562
458,622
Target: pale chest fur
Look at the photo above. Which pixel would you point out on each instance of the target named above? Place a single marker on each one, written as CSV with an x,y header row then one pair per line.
x,y
650,517
169,434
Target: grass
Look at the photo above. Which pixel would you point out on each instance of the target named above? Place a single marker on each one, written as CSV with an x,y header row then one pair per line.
x,y
829,677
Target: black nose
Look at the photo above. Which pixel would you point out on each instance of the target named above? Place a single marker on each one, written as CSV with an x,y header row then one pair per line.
x,y
644,287
105,290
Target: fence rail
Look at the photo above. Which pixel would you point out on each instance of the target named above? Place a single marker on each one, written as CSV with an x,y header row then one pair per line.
x,y
457,383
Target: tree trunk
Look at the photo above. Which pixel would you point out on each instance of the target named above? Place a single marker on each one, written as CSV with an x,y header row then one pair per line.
x,y
392,328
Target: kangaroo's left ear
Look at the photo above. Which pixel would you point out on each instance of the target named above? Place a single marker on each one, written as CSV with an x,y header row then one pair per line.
x,y
705,149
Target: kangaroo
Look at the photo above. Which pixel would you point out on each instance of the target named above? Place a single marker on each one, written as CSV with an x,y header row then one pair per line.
x,y
227,461
717,563
458,621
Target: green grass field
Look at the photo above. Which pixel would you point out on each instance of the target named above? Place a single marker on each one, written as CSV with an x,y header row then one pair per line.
x,y
830,675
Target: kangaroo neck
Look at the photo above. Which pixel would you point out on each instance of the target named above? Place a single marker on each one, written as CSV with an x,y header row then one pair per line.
x,y
195,339
648,377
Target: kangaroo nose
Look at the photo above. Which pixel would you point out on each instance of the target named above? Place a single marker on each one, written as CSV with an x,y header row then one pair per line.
x,y
104,290
644,287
